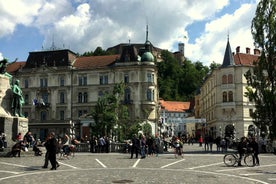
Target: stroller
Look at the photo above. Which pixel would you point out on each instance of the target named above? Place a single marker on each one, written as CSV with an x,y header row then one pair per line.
x,y
37,151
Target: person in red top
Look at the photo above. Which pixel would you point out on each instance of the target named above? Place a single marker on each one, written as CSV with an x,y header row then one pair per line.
x,y
200,141
19,137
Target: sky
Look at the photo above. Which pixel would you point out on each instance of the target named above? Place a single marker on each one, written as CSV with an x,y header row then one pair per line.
x,y
83,25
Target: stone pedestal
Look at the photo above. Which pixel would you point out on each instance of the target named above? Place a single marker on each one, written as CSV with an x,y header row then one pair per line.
x,y
5,96
10,125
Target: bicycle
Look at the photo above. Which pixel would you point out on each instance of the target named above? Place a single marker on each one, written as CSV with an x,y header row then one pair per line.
x,y
231,159
70,152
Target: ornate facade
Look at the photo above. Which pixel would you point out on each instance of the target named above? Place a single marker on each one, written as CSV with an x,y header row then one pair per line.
x,y
60,88
222,101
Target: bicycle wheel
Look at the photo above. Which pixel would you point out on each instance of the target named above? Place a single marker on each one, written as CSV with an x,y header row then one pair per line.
x,y
230,159
249,160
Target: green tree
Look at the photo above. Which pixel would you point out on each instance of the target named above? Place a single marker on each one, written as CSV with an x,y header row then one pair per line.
x,y
176,81
99,51
147,129
108,111
262,77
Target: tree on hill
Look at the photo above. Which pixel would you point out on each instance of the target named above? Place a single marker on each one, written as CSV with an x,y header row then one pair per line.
x,y
261,78
179,82
97,52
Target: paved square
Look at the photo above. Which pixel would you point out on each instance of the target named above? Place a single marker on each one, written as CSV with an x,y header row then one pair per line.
x,y
197,166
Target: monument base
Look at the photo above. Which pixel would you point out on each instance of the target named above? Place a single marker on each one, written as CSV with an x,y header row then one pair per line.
x,y
11,126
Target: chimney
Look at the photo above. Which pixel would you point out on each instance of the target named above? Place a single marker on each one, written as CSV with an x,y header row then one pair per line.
x,y
247,50
238,49
257,52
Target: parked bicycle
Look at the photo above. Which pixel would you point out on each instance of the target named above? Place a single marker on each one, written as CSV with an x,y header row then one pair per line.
x,y
231,159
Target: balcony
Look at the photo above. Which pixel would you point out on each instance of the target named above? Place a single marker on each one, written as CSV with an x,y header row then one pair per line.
x,y
43,105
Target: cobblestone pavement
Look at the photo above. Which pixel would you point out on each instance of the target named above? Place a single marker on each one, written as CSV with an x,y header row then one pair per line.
x,y
197,166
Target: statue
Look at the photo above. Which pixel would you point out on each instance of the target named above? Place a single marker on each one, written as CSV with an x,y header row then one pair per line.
x,y
17,100
3,66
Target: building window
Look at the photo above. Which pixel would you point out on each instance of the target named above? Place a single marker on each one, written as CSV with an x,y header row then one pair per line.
x,y
224,96
44,97
103,79
79,113
26,99
150,95
43,115
80,98
230,79
100,93
82,112
127,95
230,96
224,79
126,78
250,112
85,97
43,82
150,77
61,81
61,115
82,80
61,97
26,83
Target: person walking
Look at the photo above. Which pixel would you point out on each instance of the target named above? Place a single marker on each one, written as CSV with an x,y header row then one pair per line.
x,y
135,146
206,142
46,161
157,145
255,148
211,141
51,146
143,146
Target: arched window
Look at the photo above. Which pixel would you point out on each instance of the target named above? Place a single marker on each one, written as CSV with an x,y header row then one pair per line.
x,y
224,79
230,96
230,79
224,96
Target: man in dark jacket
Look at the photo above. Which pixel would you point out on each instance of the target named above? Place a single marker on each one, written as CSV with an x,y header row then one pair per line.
x,y
255,148
135,146
51,146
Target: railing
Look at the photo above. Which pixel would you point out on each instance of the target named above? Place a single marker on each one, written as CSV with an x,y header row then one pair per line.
x,y
113,147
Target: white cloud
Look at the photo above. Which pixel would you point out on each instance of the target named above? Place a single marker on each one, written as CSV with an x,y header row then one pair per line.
x,y
82,25
211,45
17,12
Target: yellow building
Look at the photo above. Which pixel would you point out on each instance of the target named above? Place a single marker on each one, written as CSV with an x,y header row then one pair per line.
x,y
222,101
60,88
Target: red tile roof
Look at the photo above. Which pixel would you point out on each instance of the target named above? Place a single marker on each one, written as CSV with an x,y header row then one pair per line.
x,y
175,106
92,62
245,59
13,67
